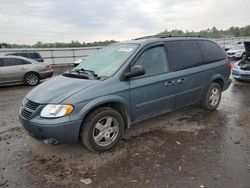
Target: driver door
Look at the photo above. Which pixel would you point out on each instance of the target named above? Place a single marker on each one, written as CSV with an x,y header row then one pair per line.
x,y
153,93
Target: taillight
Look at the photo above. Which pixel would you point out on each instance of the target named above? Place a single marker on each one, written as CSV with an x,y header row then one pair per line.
x,y
229,66
48,66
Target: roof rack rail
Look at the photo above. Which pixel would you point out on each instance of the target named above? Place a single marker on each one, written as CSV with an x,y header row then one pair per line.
x,y
145,37
163,36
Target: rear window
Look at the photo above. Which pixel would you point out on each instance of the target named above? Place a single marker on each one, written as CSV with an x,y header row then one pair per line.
x,y
211,51
183,54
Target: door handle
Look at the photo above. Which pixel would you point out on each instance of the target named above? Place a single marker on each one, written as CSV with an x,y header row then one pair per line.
x,y
170,83
179,81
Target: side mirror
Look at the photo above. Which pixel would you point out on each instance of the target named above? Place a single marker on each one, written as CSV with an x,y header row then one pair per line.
x,y
136,70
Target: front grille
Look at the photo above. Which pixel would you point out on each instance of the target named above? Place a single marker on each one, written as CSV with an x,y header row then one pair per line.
x,y
230,53
28,108
25,113
31,105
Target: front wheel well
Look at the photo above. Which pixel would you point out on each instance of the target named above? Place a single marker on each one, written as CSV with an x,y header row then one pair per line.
x,y
119,108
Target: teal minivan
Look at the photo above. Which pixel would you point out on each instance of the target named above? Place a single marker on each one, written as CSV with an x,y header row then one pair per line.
x,y
122,84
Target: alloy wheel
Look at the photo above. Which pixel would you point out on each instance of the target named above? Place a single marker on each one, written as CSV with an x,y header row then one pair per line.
x,y
105,131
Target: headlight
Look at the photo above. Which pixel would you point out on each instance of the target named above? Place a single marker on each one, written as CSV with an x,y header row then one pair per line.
x,y
56,110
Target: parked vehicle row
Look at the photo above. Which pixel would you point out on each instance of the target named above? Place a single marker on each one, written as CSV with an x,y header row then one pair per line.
x,y
122,84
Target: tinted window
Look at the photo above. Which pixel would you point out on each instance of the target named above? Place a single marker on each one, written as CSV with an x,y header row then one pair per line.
x,y
183,54
154,61
24,55
1,62
211,51
34,56
21,54
12,62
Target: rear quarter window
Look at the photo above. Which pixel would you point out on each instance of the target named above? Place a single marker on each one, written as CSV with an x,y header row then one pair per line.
x,y
183,54
211,51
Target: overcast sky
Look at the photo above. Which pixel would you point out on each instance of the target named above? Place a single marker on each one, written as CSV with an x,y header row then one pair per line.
x,y
29,21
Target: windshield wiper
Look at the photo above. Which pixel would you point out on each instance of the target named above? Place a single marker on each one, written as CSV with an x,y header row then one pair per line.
x,y
82,70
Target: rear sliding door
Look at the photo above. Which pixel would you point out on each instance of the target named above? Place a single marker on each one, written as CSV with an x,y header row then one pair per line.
x,y
185,59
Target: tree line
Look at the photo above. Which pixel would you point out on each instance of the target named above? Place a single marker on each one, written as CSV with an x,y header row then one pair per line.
x,y
209,33
72,44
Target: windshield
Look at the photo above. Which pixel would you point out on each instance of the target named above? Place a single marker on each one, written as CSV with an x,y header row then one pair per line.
x,y
108,60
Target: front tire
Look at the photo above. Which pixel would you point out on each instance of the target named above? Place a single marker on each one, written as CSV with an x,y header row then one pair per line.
x,y
102,129
32,79
213,97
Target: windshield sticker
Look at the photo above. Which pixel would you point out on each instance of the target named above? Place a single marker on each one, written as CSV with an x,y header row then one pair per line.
x,y
125,49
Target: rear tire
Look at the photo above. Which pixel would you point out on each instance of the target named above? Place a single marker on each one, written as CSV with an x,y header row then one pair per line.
x,y
102,129
32,79
213,97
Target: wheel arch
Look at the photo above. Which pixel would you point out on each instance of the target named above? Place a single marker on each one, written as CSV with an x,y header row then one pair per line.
x,y
31,72
218,79
116,102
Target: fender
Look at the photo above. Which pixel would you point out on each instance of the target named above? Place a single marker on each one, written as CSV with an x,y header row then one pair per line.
x,y
212,79
105,99
217,77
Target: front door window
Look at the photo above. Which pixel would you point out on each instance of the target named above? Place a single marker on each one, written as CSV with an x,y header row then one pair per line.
x,y
154,61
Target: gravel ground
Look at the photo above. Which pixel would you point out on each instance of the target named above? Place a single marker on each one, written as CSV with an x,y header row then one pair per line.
x,y
190,147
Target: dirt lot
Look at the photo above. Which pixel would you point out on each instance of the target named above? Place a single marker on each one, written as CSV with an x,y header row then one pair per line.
x,y
190,147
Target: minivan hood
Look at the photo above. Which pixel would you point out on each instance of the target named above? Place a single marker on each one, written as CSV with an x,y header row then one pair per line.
x,y
58,89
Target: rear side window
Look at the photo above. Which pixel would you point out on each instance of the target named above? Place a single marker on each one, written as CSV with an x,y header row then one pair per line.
x,y
12,62
34,56
183,54
211,51
22,54
1,62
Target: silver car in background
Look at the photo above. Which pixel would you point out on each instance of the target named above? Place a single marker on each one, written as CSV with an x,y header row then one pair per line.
x,y
17,69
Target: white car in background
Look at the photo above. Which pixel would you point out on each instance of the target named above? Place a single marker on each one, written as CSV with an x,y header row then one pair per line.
x,y
236,51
